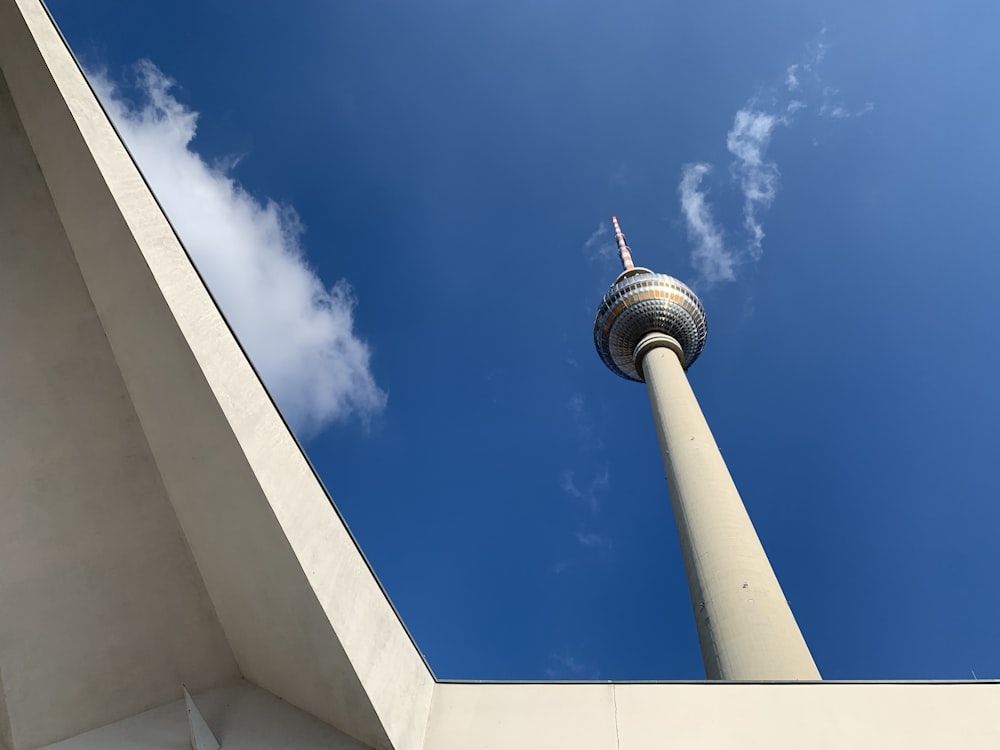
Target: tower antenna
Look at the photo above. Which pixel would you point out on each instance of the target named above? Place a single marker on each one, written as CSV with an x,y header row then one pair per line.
x,y
623,252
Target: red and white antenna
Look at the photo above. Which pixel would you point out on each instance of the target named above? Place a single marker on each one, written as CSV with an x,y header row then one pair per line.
x,y
623,252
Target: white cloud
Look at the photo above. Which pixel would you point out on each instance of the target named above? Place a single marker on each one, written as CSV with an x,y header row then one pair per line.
x,y
593,540
581,419
600,246
840,112
716,255
816,50
560,567
298,332
589,438
747,141
792,78
833,107
588,495
709,256
568,484
569,667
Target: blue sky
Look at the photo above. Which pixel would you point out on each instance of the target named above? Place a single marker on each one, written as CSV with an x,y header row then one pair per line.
x,y
400,209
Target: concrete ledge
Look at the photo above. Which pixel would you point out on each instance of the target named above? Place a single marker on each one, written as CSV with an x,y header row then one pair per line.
x,y
747,716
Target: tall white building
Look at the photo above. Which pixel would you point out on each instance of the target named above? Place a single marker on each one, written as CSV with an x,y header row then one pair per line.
x,y
160,528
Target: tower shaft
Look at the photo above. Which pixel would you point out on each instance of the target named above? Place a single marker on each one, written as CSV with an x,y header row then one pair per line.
x,y
745,626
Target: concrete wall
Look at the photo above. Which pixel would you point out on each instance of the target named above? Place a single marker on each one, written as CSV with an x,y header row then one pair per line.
x,y
304,616
914,716
102,609
5,738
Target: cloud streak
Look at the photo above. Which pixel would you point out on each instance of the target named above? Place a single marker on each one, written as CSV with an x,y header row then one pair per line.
x,y
600,246
747,140
717,254
594,540
586,493
792,78
837,111
568,667
590,493
709,255
298,332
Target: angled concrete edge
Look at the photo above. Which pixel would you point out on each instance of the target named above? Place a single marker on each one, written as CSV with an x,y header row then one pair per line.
x,y
202,737
91,553
303,614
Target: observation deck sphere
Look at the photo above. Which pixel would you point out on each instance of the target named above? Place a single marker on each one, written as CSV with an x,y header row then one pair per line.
x,y
642,302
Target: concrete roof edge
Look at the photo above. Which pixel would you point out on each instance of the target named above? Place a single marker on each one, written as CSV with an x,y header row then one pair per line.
x,y
983,681
256,462
291,433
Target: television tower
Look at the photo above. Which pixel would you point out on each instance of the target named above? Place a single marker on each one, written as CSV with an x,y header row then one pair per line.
x,y
650,328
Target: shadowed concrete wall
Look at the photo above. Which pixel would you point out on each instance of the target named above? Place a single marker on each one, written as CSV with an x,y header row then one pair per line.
x,y
102,610
5,740
241,716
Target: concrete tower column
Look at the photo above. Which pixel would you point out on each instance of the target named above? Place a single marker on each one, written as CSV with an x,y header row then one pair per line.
x,y
650,328
745,626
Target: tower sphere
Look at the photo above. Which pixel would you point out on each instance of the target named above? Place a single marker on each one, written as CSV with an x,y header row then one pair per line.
x,y
642,302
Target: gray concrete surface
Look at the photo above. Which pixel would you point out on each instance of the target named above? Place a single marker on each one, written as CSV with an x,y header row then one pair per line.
x,y
5,740
241,716
103,610
745,626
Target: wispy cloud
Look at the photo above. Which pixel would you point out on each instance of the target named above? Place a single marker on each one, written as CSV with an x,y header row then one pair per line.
x,y
594,540
600,246
792,78
589,494
805,71
709,255
717,254
583,424
568,484
588,487
568,667
840,112
747,141
298,331
816,51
